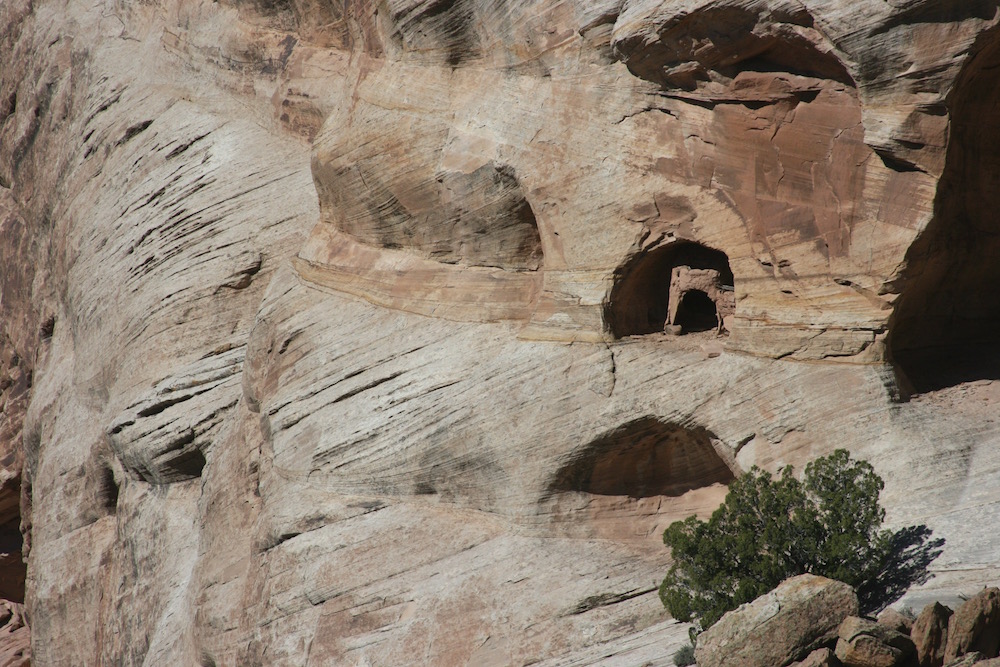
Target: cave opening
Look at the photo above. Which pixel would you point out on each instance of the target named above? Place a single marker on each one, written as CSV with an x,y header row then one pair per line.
x,y
13,570
187,463
945,328
643,458
644,287
108,491
696,312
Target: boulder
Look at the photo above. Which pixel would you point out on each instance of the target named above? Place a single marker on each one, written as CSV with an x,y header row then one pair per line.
x,y
895,620
821,657
975,626
785,625
865,643
930,634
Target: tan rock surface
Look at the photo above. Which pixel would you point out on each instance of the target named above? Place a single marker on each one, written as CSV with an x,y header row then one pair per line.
x,y
896,620
331,332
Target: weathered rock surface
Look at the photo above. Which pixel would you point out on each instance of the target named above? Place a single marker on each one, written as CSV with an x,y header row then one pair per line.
x,y
331,332
930,634
15,636
974,658
776,629
975,626
865,643
895,620
821,657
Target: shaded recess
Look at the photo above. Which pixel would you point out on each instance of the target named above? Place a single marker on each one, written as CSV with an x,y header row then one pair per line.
x,y
945,328
186,463
644,458
640,298
477,218
434,31
12,567
107,492
696,312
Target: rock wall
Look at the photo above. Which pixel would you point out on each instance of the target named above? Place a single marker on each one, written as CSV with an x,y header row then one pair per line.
x,y
330,329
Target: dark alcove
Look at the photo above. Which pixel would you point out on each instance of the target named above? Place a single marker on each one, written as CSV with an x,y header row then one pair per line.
x,y
640,299
945,328
643,458
12,567
696,312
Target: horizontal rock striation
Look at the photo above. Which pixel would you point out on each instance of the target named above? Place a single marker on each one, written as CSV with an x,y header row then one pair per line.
x,y
331,332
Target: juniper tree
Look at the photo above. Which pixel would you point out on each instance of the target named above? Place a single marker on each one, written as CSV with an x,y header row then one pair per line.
x,y
773,527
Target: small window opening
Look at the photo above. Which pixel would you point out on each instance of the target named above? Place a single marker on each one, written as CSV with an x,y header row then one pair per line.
x,y
696,312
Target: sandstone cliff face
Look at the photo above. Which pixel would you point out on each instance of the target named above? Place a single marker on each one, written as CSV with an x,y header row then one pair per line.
x,y
331,330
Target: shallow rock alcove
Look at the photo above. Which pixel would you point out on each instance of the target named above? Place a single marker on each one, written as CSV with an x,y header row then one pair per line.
x,y
684,282
946,324
633,481
642,458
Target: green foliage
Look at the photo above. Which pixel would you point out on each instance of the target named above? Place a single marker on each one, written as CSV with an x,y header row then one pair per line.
x,y
684,656
771,528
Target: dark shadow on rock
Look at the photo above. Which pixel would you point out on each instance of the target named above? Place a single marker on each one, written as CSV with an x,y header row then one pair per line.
x,y
911,551
945,325
939,368
642,458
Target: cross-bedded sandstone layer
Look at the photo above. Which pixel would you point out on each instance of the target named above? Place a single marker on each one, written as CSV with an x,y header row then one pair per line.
x,y
332,330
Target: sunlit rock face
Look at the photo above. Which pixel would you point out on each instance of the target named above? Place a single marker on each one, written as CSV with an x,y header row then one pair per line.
x,y
332,332
739,126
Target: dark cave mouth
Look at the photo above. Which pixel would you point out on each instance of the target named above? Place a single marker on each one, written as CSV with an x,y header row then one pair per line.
x,y
696,312
13,570
697,277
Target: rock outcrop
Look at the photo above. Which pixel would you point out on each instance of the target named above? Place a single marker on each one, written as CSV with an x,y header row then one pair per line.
x,y
975,626
821,657
930,634
792,626
331,332
895,620
783,626
865,643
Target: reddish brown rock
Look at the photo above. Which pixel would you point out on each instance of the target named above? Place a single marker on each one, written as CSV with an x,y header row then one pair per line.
x,y
975,626
821,657
894,620
785,625
15,636
865,643
930,634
